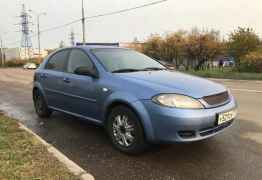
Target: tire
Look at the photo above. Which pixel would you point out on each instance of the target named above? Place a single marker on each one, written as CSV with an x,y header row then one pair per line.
x,y
128,136
40,104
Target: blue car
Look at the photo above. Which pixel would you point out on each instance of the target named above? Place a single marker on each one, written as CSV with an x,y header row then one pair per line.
x,y
138,100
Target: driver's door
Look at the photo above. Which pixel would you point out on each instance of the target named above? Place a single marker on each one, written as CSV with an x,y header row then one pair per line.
x,y
80,90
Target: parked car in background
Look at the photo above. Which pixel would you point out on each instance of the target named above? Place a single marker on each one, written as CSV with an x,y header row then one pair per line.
x,y
228,63
30,66
138,100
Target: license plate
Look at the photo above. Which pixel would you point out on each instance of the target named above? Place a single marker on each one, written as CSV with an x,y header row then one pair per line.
x,y
225,117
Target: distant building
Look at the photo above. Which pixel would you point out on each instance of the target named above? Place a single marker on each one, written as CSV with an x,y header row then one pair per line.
x,y
12,54
22,54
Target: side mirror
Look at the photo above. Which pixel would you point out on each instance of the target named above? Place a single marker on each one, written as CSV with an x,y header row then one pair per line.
x,y
85,71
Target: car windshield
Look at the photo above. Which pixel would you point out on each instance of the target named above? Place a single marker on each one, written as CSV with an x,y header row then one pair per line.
x,y
124,60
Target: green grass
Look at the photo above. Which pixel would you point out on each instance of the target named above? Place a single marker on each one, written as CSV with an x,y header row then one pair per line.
x,y
23,157
226,73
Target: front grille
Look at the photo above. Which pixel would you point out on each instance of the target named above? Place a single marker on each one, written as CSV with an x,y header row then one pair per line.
x,y
217,99
212,130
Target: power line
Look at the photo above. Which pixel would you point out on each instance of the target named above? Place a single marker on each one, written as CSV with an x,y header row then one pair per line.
x,y
125,10
100,15
104,14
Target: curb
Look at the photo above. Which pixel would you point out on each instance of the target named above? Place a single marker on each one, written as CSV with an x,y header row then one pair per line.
x,y
70,165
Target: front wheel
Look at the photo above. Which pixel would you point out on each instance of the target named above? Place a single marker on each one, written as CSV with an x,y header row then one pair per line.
x,y
40,104
125,131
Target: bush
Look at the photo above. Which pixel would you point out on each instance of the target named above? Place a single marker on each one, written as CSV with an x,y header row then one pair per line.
x,y
15,63
252,62
37,61
20,62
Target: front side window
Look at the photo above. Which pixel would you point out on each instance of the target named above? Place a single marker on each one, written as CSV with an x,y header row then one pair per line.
x,y
78,58
116,60
57,62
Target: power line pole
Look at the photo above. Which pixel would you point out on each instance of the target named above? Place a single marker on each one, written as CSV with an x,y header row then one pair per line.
x,y
83,23
25,29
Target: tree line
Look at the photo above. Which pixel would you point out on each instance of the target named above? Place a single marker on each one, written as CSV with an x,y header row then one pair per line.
x,y
197,49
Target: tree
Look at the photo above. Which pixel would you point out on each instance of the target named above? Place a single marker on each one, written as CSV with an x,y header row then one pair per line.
x,y
194,48
136,45
168,48
241,42
173,47
153,46
252,62
49,51
61,44
202,46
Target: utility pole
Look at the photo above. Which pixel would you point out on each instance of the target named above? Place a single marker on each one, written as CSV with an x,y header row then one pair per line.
x,y
38,30
83,23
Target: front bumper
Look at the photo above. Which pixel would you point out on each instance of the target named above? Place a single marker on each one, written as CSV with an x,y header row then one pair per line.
x,y
185,125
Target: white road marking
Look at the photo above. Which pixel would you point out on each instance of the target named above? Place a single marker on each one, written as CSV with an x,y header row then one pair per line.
x,y
257,137
246,90
236,80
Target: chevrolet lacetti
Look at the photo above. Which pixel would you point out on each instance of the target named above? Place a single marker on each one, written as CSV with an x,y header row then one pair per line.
x,y
138,100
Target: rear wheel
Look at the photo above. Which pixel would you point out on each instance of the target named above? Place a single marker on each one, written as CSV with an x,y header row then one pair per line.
x,y
125,131
40,104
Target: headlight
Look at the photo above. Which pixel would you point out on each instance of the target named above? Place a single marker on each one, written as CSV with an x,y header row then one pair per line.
x,y
178,101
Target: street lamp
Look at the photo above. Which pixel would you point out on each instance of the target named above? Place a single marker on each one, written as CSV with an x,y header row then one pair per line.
x,y
38,15
83,23
2,51
2,48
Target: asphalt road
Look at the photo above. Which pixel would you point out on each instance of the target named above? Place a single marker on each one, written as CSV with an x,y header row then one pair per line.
x,y
234,154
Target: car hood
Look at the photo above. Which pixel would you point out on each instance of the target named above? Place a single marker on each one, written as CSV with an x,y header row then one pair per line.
x,y
174,82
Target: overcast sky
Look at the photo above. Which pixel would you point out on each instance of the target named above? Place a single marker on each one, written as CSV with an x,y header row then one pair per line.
x,y
223,15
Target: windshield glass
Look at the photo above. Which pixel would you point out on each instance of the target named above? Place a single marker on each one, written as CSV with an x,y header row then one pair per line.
x,y
124,60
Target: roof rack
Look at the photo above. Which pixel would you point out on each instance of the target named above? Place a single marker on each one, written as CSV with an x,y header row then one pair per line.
x,y
97,44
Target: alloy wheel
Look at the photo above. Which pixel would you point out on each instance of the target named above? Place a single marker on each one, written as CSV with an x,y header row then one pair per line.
x,y
123,131
39,103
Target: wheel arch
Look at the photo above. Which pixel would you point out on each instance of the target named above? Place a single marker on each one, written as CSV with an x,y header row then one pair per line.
x,y
37,86
140,112
116,103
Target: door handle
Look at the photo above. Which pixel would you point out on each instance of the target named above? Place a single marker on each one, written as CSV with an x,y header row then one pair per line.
x,y
43,76
66,80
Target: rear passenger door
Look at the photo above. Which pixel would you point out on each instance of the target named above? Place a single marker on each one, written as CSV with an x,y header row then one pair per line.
x,y
52,78
80,90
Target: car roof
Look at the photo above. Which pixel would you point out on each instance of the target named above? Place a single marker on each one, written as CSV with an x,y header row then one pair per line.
x,y
89,47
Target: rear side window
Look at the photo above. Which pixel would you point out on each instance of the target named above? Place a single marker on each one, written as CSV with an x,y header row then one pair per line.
x,y
78,58
58,61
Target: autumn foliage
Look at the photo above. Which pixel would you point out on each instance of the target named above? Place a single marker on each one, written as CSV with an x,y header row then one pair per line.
x,y
197,49
252,62
191,49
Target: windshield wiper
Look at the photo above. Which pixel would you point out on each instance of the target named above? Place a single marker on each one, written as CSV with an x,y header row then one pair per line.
x,y
125,70
153,69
